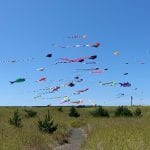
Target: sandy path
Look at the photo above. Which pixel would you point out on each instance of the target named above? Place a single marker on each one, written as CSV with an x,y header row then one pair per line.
x,y
77,137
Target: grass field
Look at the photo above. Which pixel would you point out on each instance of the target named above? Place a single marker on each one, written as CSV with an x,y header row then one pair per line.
x,y
113,133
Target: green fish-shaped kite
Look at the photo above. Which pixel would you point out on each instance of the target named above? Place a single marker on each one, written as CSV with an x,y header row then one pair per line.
x,y
18,80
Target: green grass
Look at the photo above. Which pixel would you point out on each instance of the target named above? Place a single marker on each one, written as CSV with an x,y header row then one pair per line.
x,y
114,133
29,135
121,133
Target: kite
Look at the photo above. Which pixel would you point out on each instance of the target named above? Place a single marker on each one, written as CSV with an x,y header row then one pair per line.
x,y
96,45
91,69
41,79
18,80
38,96
44,89
126,73
71,84
125,84
15,61
77,36
57,80
49,55
8,61
77,102
67,60
57,97
54,89
116,53
111,83
92,57
78,79
90,63
50,90
40,69
97,71
81,91
66,99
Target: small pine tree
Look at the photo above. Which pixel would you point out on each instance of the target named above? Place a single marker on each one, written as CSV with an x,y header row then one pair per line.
x,y
30,113
60,109
100,112
123,111
73,112
137,112
16,119
47,124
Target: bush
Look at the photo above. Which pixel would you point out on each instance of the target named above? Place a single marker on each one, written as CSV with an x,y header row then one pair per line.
x,y
16,119
73,112
137,112
30,113
60,109
100,112
123,111
47,124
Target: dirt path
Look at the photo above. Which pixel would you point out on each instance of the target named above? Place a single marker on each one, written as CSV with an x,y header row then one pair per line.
x,y
77,137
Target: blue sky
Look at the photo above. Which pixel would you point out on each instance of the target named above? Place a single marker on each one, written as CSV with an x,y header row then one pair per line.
x,y
29,27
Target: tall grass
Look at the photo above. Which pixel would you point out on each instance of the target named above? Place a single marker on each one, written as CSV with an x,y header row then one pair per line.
x,y
120,133
29,135
113,133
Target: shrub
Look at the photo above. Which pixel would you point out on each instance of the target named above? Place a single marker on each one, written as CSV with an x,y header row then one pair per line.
x,y
137,112
73,112
123,111
60,109
30,113
100,112
16,119
47,124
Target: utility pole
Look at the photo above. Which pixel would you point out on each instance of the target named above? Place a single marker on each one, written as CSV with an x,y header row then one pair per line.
x,y
131,100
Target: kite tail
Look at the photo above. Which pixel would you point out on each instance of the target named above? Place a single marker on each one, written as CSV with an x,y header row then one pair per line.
x,y
11,82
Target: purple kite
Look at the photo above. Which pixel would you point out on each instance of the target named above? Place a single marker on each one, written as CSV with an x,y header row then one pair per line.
x,y
125,84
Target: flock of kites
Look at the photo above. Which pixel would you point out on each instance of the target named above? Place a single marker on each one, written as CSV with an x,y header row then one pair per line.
x,y
77,79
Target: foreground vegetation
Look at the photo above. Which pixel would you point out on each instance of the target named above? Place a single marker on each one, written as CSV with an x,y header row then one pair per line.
x,y
105,128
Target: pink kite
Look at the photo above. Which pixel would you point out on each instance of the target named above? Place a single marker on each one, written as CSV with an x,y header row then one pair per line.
x,y
54,89
96,45
41,79
81,59
97,71
81,91
77,102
